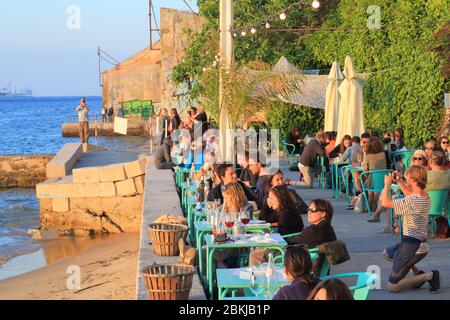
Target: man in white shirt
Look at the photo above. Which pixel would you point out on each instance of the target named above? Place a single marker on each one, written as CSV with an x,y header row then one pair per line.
x,y
83,121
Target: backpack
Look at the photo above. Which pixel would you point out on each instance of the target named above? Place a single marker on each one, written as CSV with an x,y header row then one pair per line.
x,y
360,205
335,251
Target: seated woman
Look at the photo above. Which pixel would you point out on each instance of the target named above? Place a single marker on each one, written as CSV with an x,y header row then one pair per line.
x,y
375,159
293,137
268,214
234,200
331,289
298,270
320,213
289,221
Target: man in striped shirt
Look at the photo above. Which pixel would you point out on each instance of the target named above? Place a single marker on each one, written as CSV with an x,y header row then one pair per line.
x,y
413,209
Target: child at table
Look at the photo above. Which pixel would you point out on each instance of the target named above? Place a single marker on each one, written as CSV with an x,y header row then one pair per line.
x,y
298,270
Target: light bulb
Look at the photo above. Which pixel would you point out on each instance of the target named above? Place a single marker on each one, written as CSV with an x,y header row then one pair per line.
x,y
283,16
267,25
214,63
315,4
253,30
235,35
243,33
204,69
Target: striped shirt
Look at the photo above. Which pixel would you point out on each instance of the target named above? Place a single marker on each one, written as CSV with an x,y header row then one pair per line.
x,y
414,210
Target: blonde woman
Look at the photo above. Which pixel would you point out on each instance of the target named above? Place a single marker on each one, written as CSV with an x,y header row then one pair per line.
x,y
235,200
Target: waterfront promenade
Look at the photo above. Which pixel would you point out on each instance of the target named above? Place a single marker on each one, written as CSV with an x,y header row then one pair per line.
x,y
363,240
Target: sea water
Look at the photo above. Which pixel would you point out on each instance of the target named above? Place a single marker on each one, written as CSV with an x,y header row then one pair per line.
x,y
32,125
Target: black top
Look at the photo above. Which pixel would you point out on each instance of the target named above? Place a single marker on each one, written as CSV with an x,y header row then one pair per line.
x,y
176,121
267,214
203,118
297,290
315,235
216,194
313,149
248,176
289,222
335,152
292,139
162,155
262,186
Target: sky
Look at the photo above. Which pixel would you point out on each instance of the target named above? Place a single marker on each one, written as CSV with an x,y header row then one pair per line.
x,y
51,45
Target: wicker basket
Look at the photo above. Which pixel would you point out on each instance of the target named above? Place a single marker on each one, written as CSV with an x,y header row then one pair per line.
x,y
168,282
165,238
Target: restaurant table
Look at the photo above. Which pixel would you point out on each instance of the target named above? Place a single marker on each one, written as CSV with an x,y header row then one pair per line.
x,y
277,243
239,279
203,228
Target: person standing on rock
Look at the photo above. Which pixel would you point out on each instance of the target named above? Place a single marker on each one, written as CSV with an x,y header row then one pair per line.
x,y
83,121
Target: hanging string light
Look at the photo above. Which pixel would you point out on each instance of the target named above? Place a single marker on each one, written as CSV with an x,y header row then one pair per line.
x,y
283,16
267,25
315,4
243,33
253,30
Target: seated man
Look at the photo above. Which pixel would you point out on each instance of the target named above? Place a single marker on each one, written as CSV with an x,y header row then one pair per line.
x,y
163,160
438,177
226,174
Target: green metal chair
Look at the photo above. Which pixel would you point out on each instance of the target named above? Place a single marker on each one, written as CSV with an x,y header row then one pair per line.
x,y
404,156
438,201
290,154
322,173
377,183
364,283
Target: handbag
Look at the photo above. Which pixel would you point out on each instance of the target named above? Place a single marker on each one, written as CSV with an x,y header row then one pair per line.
x,y
335,251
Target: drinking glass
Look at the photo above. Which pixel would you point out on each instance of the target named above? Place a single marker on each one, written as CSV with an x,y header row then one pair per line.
x,y
256,282
270,285
228,221
244,216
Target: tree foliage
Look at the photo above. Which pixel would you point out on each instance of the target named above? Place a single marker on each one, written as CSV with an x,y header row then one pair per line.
x,y
404,60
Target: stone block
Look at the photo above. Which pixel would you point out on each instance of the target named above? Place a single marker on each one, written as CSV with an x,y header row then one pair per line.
x,y
112,173
126,188
136,168
86,175
46,235
60,205
64,160
140,184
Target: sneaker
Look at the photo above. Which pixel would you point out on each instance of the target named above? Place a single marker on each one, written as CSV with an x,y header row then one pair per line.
x,y
386,256
384,231
350,207
435,282
420,284
374,220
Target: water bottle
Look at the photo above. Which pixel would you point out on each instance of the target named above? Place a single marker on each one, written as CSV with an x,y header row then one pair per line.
x,y
270,266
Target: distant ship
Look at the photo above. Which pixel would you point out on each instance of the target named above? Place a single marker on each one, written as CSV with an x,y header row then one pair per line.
x,y
21,93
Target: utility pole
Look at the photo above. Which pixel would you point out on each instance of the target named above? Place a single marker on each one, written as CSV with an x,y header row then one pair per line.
x,y
150,10
99,68
226,65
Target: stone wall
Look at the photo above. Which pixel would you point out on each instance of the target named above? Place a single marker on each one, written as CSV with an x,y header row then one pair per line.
x,y
137,78
174,41
106,199
146,75
23,171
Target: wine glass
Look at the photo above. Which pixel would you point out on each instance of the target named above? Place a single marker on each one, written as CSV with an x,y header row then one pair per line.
x,y
270,285
228,221
244,216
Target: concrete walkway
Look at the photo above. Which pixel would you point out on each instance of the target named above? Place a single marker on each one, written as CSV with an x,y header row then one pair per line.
x,y
366,245
160,198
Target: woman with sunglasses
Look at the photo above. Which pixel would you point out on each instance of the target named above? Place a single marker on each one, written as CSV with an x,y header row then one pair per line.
x,y
445,146
320,213
289,221
298,269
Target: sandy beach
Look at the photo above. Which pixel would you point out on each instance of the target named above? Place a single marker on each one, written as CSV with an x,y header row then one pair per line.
x,y
108,272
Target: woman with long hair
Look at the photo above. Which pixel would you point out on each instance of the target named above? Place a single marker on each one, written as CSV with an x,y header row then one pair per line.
x,y
331,289
298,269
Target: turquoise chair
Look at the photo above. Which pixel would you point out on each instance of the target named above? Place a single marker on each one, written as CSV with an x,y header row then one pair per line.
x,y
438,201
364,282
199,161
377,179
290,154
325,266
404,156
322,174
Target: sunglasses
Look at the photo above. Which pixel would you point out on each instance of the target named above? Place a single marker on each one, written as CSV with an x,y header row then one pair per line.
x,y
418,159
429,148
312,210
444,142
